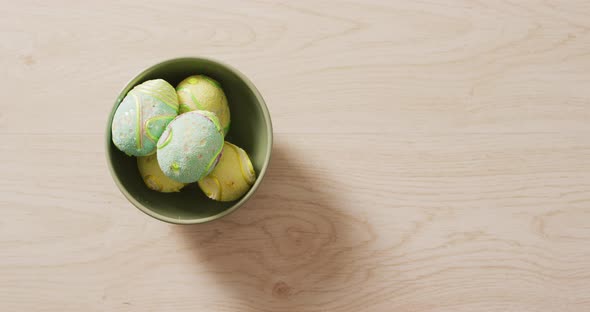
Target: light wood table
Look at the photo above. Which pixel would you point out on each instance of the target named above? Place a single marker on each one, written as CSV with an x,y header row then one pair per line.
x,y
429,156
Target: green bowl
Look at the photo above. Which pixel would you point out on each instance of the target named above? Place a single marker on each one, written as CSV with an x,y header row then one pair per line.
x,y
251,129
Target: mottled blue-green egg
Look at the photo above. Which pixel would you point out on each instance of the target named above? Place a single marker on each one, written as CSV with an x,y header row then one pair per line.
x,y
191,146
142,117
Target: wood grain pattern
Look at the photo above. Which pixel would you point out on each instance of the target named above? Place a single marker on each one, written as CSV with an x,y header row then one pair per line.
x,y
444,164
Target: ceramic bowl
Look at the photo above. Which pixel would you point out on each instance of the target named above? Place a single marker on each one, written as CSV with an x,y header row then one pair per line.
x,y
251,129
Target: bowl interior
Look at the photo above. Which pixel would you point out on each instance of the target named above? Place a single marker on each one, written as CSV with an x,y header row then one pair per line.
x,y
250,129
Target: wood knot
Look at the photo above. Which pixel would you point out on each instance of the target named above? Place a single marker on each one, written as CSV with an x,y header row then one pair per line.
x,y
281,290
28,60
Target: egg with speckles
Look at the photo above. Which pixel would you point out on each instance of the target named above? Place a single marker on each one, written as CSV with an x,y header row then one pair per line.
x,y
142,117
190,146
200,92
154,178
232,177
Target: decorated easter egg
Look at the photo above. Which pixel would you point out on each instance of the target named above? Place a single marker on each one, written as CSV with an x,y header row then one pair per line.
x,y
154,178
190,146
142,117
232,177
200,92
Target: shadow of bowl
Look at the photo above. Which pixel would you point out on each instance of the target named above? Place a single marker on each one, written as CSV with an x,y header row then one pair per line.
x,y
289,249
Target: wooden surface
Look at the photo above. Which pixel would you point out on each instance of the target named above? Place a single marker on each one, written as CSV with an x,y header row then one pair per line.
x,y
429,156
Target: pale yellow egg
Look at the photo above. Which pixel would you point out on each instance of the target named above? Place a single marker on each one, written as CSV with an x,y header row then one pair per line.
x,y
153,176
232,177
200,92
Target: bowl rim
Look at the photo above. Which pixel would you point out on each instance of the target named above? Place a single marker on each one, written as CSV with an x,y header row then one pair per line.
x,y
236,205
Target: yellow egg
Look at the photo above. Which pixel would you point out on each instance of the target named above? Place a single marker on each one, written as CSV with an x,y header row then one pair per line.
x,y
232,177
153,176
200,92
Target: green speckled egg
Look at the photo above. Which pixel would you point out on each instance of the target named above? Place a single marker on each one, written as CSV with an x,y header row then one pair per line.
x,y
190,146
154,178
142,116
231,178
200,92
